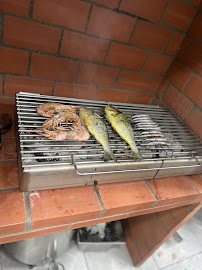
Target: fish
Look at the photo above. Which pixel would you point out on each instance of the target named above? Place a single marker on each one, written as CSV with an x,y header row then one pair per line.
x,y
97,128
121,124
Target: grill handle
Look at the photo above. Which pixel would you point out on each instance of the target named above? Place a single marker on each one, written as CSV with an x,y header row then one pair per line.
x,y
135,170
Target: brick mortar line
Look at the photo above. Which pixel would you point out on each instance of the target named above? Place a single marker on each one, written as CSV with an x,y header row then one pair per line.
x,y
106,54
189,180
162,78
100,200
27,211
77,73
3,84
1,27
60,42
189,79
150,84
88,19
53,89
29,64
193,39
119,4
153,205
163,13
169,41
31,8
7,189
145,59
91,35
117,78
129,42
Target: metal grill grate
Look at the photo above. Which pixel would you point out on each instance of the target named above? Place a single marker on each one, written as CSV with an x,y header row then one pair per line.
x,y
178,142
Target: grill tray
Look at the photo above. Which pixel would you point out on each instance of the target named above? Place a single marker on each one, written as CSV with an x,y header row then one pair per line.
x,y
47,164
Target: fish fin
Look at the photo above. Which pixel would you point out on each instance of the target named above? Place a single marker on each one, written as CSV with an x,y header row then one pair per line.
x,y
108,154
136,154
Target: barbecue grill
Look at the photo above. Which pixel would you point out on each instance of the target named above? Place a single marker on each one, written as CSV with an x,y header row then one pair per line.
x,y
166,144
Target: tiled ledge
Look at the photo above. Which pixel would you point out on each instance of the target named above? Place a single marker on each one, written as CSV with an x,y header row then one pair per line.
x,y
30,214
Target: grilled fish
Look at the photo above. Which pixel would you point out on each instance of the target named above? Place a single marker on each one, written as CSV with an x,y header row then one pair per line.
x,y
122,126
96,126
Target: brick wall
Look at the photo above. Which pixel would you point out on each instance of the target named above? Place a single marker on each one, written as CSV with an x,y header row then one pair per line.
x,y
181,89
116,50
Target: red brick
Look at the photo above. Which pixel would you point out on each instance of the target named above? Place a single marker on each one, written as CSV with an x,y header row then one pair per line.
x,y
54,68
144,8
162,87
6,100
151,36
72,90
193,90
134,232
193,57
107,94
172,190
196,28
125,56
177,102
142,247
8,150
80,46
166,220
97,74
140,98
125,197
71,14
97,221
108,3
193,120
133,80
157,231
60,206
196,181
31,35
157,63
175,42
12,212
13,60
5,108
157,101
195,2
179,213
183,47
15,84
155,84
20,7
178,14
109,24
178,74
8,174
1,84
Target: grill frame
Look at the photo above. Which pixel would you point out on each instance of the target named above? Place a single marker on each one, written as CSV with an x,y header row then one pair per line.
x,y
47,175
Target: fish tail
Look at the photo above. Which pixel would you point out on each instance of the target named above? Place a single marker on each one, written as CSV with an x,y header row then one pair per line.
x,y
108,154
135,153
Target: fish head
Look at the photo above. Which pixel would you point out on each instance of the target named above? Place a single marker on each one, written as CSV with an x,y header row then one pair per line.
x,y
111,111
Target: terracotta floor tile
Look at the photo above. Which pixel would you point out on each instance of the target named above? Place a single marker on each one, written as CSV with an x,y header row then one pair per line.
x,y
8,174
8,150
172,189
60,206
125,197
12,212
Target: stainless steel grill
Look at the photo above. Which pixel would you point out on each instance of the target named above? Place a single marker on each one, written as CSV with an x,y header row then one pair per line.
x,y
167,146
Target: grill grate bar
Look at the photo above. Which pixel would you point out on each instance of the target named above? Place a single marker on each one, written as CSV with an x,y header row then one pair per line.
x,y
177,141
